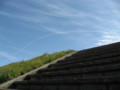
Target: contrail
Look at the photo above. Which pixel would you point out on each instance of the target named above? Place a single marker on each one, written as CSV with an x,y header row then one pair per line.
x,y
45,36
34,40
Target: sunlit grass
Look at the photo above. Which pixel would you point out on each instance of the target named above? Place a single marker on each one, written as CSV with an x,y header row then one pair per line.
x,y
14,70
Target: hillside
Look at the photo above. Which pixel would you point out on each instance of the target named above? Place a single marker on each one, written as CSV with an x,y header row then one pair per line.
x,y
14,70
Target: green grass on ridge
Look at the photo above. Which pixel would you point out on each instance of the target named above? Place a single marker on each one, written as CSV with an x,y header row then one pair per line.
x,y
14,70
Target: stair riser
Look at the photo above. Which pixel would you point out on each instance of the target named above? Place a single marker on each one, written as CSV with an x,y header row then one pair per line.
x,y
69,76
99,55
73,87
84,64
97,68
100,49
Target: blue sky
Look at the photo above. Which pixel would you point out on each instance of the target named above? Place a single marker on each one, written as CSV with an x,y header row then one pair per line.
x,y
29,28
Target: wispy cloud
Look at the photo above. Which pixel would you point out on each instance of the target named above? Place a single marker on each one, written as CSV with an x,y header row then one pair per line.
x,y
55,30
21,17
109,37
57,9
8,56
58,16
32,41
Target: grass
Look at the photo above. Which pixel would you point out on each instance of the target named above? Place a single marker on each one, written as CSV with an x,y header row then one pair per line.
x,y
14,70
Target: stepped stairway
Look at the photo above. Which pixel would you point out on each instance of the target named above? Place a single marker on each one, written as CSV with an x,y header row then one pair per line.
x,y
91,69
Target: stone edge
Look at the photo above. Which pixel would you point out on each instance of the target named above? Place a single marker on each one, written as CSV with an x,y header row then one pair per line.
x,y
5,85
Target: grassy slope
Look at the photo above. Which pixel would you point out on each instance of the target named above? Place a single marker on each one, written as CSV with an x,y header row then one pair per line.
x,y
14,70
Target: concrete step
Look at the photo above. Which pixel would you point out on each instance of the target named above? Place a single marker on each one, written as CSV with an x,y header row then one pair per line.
x,y
96,52
97,56
88,52
33,77
11,89
82,70
72,81
104,48
36,77
109,70
86,62
101,62
74,87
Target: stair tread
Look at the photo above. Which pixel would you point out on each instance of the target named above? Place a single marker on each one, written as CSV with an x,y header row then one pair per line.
x,y
83,64
96,69
89,68
94,57
100,48
105,79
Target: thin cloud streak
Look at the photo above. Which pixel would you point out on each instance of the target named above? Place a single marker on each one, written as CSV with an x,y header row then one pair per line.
x,y
109,37
64,11
8,56
56,32
57,11
34,40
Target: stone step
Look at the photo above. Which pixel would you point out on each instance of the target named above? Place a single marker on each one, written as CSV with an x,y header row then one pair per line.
x,y
100,49
10,89
110,70
96,53
36,77
98,56
115,57
72,81
81,70
74,87
33,77
105,48
102,62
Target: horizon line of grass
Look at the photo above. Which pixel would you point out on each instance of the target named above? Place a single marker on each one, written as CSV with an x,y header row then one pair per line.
x,y
13,70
